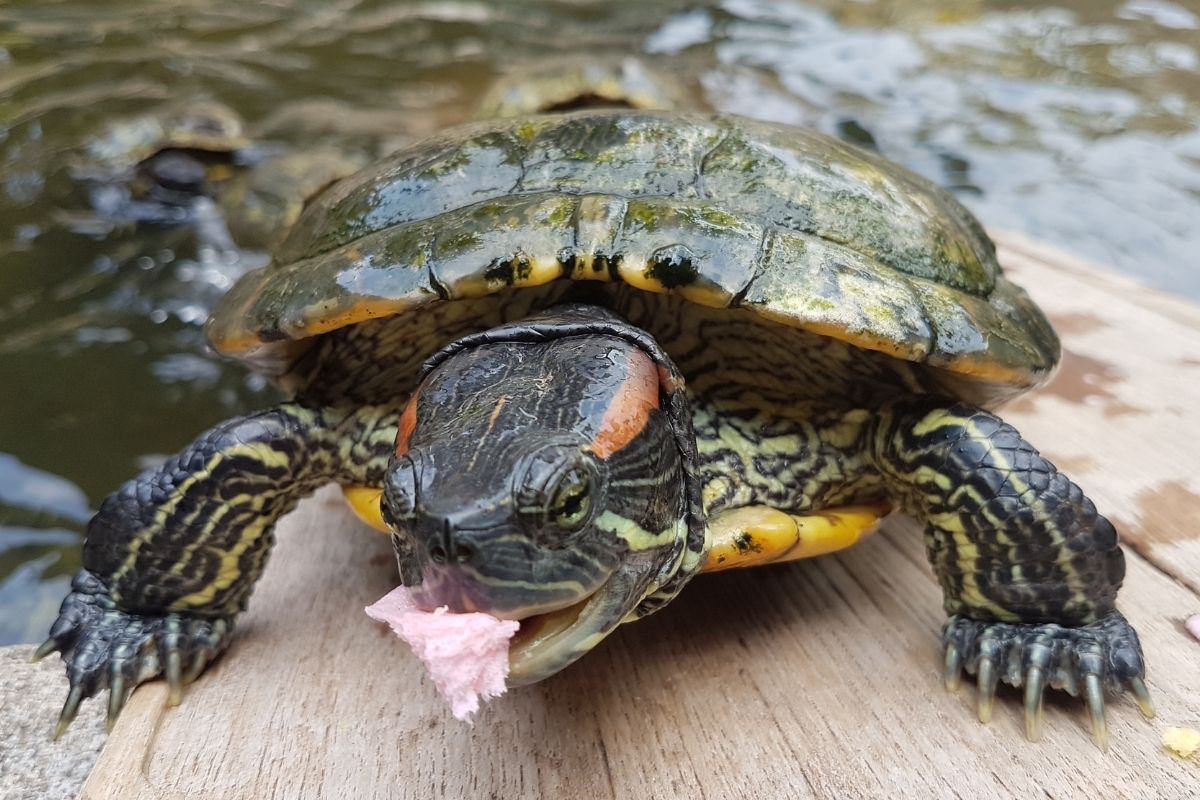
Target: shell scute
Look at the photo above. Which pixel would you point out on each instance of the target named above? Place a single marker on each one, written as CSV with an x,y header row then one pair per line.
x,y
801,229
810,184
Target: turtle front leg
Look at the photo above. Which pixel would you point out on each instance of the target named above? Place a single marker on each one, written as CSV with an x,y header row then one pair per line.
x,y
172,556
1028,568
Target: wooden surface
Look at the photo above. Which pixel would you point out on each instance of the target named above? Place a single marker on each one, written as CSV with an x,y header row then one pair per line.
x,y
815,679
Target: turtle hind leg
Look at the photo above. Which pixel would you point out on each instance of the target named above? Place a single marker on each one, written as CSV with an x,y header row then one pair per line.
x,y
1029,570
172,556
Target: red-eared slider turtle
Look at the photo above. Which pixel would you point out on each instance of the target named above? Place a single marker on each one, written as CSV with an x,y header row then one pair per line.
x,y
149,168
583,356
262,202
572,84
156,168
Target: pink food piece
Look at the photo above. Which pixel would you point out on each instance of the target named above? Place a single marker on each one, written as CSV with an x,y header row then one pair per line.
x,y
1193,625
466,654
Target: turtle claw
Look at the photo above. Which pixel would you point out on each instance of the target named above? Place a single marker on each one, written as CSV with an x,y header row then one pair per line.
x,y
1141,696
1089,660
116,701
44,649
106,647
199,662
987,680
174,678
69,710
953,671
1094,695
1035,695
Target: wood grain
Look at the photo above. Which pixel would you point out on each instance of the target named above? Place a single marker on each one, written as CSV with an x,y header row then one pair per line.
x,y
809,680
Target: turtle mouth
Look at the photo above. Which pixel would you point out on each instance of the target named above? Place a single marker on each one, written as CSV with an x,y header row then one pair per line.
x,y
549,641
550,636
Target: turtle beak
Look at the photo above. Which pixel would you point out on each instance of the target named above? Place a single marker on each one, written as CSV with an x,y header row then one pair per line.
x,y
547,643
556,632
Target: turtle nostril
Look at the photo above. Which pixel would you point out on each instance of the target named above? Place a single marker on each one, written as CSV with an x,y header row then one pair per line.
x,y
437,554
464,553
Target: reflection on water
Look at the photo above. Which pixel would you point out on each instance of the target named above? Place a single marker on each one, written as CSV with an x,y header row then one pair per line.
x,y
41,520
1076,121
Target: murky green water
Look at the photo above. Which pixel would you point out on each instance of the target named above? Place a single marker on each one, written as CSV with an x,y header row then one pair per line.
x,y
1077,122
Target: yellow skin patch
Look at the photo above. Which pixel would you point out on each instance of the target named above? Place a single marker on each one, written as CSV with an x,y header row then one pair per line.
x,y
366,503
756,535
741,537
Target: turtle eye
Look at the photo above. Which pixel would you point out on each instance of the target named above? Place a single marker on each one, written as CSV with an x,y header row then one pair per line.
x,y
557,493
572,502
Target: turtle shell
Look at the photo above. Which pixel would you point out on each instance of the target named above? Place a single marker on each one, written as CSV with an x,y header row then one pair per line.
x,y
801,229
572,83
202,126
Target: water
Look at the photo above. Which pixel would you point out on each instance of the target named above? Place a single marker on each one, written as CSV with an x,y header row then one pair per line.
x,y
1076,122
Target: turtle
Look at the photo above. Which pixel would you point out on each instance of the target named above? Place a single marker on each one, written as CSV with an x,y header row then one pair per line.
x,y
151,167
262,202
570,361
193,163
602,81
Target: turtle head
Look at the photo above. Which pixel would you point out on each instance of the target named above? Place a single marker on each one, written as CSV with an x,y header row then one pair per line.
x,y
539,482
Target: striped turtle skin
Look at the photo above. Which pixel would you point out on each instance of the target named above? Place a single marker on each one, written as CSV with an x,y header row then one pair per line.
x,y
570,361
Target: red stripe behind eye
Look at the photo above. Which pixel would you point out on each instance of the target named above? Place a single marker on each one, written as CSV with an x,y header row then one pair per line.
x,y
408,423
630,407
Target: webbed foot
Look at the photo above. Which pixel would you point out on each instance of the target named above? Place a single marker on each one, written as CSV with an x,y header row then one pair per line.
x,y
1088,660
106,647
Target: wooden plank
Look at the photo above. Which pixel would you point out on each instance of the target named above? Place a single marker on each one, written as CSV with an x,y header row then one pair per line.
x,y
816,679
